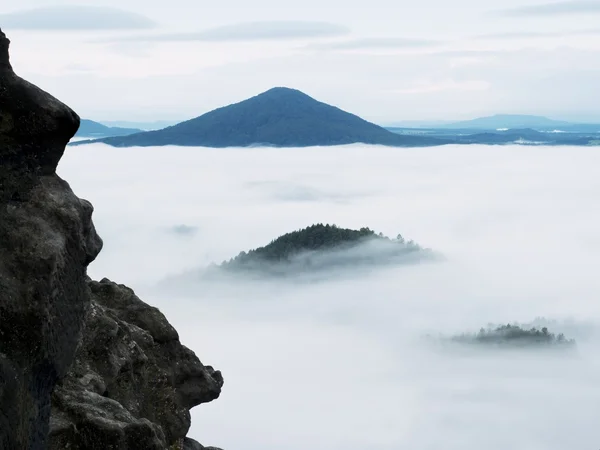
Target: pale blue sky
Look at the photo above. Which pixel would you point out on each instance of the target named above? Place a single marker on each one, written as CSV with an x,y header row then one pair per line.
x,y
385,60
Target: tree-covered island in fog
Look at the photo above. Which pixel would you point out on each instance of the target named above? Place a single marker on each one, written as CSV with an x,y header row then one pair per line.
x,y
319,247
514,336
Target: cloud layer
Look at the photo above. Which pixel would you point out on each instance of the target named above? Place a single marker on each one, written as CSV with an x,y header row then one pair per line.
x,y
351,56
555,9
250,31
375,44
539,34
341,364
75,18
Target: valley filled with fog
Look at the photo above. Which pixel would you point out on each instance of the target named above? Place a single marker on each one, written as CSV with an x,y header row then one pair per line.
x,y
342,363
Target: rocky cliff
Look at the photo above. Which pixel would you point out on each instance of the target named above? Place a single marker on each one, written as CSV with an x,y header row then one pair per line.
x,y
83,364
133,383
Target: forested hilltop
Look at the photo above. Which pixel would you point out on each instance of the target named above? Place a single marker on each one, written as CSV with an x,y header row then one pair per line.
x,y
320,246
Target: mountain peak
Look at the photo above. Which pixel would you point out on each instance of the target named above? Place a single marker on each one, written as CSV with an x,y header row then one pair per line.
x,y
284,92
281,117
282,89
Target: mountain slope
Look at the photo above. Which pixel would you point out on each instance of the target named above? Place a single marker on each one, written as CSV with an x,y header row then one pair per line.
x,y
279,117
91,129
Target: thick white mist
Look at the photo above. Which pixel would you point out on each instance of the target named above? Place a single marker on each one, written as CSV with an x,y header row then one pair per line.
x,y
340,364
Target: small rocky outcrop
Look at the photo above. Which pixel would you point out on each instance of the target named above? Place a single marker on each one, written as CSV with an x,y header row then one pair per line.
x,y
83,364
190,444
133,383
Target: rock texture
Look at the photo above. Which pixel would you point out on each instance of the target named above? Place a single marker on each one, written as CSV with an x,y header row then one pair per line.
x,y
47,239
133,383
83,364
34,130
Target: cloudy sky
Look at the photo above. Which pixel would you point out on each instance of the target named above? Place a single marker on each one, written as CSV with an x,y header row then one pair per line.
x,y
385,60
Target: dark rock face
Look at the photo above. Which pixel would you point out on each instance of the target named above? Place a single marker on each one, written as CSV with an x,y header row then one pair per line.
x,y
47,239
34,129
83,364
132,383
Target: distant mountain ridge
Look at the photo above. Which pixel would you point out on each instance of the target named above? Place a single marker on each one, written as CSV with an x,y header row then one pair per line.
x,y
500,122
91,129
280,117
284,117
506,136
507,121
139,126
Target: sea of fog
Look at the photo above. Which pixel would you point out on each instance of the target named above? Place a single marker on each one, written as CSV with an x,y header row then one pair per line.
x,y
341,364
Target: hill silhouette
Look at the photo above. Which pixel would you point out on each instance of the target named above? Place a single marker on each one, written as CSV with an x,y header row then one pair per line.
x,y
280,117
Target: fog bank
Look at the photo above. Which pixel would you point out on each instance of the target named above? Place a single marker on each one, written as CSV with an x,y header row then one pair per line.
x,y
342,364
